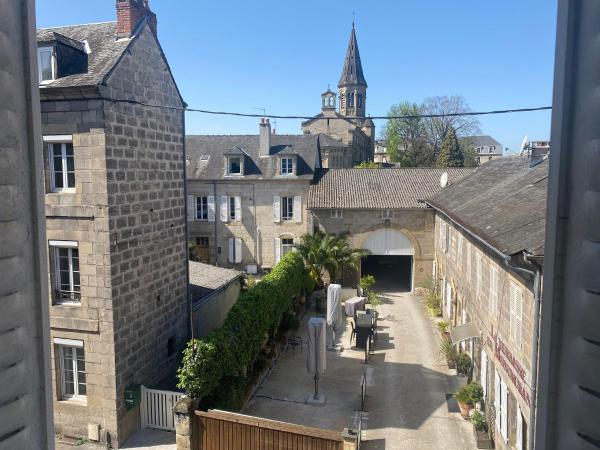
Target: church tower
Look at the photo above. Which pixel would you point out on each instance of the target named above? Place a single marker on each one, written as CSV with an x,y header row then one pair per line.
x,y
352,85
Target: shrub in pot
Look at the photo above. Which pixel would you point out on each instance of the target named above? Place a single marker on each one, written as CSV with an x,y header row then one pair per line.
x,y
467,396
463,364
480,430
448,352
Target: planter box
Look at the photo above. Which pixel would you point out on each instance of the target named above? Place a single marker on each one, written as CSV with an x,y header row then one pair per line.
x,y
482,439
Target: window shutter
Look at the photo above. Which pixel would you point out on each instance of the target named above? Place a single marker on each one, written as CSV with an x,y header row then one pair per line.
x,y
483,373
238,208
238,250
298,209
492,292
513,318
224,208
519,438
497,397
504,408
231,250
519,313
210,200
276,208
469,264
277,248
191,208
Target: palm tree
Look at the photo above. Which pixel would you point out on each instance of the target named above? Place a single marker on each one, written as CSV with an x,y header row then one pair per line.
x,y
325,252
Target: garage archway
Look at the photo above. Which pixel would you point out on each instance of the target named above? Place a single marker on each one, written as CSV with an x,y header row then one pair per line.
x,y
390,259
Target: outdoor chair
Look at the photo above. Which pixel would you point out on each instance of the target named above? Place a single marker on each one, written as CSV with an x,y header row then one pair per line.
x,y
295,342
353,333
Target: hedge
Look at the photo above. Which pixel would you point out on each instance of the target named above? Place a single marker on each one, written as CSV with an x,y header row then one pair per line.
x,y
231,349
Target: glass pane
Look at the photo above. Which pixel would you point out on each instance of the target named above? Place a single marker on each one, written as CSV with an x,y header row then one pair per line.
x,y
45,61
70,163
71,179
69,147
82,390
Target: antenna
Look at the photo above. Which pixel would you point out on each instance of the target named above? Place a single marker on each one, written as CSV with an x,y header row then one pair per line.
x,y
524,144
444,180
264,110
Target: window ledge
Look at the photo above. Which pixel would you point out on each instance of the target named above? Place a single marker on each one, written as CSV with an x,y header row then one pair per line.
x,y
81,401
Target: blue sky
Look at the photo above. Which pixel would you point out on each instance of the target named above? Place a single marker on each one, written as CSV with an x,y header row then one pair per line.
x,y
280,55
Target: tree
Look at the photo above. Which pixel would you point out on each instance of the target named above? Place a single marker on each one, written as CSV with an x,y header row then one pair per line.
x,y
469,153
406,138
368,165
341,256
438,127
451,154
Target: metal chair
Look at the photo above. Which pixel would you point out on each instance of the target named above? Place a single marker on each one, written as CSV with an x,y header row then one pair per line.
x,y
353,333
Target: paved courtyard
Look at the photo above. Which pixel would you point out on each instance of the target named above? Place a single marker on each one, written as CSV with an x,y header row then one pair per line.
x,y
146,439
407,386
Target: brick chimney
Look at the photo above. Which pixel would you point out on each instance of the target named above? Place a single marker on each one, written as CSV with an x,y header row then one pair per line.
x,y
264,145
129,15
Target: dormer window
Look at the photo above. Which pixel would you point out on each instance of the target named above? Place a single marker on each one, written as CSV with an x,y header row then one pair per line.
x,y
234,165
46,65
287,166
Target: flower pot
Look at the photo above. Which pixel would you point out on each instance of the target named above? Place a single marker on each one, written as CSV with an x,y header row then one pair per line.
x,y
482,439
451,363
464,410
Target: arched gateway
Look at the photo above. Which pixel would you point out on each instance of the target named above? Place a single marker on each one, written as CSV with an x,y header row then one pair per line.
x,y
390,259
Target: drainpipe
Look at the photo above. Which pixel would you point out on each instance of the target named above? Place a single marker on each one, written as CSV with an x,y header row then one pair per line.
x,y
255,227
187,243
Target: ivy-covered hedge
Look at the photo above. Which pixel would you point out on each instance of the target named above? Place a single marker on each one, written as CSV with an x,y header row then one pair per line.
x,y
231,349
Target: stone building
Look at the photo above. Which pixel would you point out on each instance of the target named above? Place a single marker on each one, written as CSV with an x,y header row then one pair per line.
x,y
348,123
247,195
489,250
115,218
485,147
384,213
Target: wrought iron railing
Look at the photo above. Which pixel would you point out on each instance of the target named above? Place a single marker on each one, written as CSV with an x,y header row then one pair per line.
x,y
62,296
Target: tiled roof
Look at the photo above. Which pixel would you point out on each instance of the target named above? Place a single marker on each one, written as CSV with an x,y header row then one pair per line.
x,y
378,188
306,147
503,202
481,141
205,279
352,73
327,141
105,51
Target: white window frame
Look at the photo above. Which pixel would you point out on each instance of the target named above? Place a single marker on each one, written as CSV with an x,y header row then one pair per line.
x,y
336,214
61,345
286,247
201,204
286,166
56,246
516,313
65,173
493,301
234,174
231,210
52,64
287,208
478,274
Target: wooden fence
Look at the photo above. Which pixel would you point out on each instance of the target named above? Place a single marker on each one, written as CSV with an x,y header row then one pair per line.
x,y
220,430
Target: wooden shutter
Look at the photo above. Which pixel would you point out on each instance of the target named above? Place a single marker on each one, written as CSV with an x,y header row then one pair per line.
x,y
276,208
191,208
504,409
497,397
483,373
519,437
231,250
519,313
224,215
298,209
238,250
277,249
238,208
210,200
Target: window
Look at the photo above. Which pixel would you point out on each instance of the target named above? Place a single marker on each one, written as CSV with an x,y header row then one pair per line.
x,y
516,312
493,290
287,245
171,346
234,166
351,100
501,405
201,208
490,150
477,274
359,100
231,208
235,250
478,149
287,208
387,214
287,166
232,214
66,265
46,69
459,252
62,166
336,214
469,264
71,365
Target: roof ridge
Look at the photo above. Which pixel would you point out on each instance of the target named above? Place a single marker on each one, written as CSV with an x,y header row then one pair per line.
x,y
76,25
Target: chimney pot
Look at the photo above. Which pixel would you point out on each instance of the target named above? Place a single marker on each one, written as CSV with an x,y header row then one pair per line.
x,y
264,145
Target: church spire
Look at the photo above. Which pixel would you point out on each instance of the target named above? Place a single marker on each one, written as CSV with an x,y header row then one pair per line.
x,y
352,74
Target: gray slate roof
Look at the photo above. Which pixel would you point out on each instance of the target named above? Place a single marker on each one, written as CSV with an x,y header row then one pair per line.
x,y
484,140
378,188
305,147
503,202
105,51
205,279
327,141
352,72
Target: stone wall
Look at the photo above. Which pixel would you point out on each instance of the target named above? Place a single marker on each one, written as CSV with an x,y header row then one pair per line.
x,y
493,322
211,312
416,224
145,184
257,213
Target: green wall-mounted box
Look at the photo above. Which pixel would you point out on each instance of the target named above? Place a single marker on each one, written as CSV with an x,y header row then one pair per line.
x,y
133,396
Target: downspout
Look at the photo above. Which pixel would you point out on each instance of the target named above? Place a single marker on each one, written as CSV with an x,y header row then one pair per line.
x,y
255,228
187,243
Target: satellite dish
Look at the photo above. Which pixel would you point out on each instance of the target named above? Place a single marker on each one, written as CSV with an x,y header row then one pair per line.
x,y
444,180
524,144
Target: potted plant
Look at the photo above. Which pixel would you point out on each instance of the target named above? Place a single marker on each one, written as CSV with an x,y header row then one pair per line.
x,y
480,430
463,364
467,396
442,327
448,352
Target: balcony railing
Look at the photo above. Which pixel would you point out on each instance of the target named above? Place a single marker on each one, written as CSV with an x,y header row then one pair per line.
x,y
61,296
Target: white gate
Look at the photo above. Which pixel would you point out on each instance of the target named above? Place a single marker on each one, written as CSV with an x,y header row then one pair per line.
x,y
157,408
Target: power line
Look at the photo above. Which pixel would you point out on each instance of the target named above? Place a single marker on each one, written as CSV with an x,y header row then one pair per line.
x,y
275,116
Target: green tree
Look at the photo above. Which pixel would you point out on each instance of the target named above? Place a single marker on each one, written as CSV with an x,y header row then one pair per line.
x,y
470,155
368,165
451,154
407,137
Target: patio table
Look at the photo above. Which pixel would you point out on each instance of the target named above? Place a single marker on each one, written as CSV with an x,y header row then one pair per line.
x,y
364,327
354,304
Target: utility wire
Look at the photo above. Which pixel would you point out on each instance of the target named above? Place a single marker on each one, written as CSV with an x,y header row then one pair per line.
x,y
274,116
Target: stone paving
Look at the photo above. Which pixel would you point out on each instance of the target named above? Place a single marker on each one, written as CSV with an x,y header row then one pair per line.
x,y
146,439
406,390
